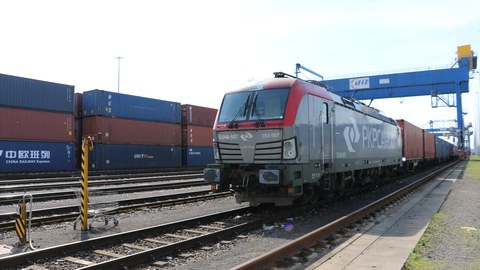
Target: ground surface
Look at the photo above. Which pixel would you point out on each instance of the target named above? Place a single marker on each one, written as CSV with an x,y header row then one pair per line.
x,y
452,240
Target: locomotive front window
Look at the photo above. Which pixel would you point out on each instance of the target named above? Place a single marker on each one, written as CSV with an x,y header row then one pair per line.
x,y
269,104
260,105
234,107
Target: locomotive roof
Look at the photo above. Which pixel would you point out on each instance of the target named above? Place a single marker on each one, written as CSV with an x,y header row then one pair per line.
x,y
308,87
287,83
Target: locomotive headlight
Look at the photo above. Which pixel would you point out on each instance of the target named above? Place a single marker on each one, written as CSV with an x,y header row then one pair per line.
x,y
289,149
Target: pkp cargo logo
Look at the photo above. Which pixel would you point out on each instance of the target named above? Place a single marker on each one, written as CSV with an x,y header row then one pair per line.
x,y
351,134
246,136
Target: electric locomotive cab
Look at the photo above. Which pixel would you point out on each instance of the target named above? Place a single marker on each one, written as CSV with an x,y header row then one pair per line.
x,y
257,144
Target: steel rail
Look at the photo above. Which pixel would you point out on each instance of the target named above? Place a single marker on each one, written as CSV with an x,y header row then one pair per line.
x,y
71,212
95,243
14,198
94,183
292,248
254,221
96,173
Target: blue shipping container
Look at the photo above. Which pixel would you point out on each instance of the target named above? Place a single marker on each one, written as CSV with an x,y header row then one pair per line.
x,y
34,94
22,156
110,104
197,156
133,156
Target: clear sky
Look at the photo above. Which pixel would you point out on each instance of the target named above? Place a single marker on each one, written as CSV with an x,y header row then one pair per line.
x,y
195,51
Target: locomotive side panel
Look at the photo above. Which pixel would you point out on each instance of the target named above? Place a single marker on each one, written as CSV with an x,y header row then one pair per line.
x,y
362,141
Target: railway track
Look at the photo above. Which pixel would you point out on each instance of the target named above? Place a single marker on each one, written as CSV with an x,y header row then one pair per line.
x,y
149,245
48,183
299,251
178,246
71,212
99,173
70,194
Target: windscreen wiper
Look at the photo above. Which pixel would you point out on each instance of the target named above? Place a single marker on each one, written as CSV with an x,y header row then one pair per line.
x,y
233,123
257,114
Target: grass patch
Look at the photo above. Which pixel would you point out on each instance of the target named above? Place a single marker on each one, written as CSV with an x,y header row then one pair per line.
x,y
473,169
419,258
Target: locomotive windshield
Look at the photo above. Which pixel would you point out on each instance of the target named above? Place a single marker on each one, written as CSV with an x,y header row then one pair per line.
x,y
254,105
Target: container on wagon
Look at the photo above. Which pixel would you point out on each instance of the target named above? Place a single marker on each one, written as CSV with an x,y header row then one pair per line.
x,y
33,94
197,156
126,131
441,149
110,104
132,156
412,140
197,115
197,136
30,125
29,156
428,145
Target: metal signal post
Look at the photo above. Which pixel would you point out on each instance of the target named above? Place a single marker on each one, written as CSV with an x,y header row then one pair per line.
x,y
87,145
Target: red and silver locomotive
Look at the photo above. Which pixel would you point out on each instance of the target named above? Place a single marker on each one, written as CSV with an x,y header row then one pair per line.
x,y
285,140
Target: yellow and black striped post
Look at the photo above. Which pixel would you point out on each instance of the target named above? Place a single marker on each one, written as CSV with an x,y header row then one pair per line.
x,y
86,146
21,222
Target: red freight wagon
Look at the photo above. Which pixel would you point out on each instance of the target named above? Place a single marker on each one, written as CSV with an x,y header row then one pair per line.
x,y
412,140
33,125
428,145
199,116
197,136
126,131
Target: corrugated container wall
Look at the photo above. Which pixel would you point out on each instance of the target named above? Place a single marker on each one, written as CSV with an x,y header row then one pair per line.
x,y
441,149
412,140
132,156
34,94
197,136
110,104
125,131
20,124
78,105
197,156
22,156
429,144
197,115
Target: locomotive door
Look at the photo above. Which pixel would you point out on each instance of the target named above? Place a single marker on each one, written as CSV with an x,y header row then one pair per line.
x,y
320,145
326,135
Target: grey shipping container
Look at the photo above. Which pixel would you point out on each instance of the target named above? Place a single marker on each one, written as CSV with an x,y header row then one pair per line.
x,y
35,94
110,104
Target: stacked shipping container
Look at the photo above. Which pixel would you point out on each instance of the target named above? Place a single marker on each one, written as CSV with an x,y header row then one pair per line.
x,y
131,131
37,126
197,135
